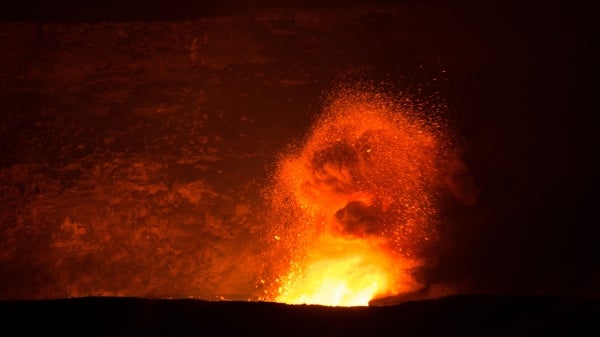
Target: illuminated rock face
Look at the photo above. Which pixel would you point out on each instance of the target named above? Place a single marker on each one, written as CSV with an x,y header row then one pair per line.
x,y
135,155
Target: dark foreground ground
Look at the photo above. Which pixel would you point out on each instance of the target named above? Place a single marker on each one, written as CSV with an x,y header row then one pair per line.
x,y
465,315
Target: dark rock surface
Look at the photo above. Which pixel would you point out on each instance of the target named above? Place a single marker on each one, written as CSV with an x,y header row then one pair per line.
x,y
451,316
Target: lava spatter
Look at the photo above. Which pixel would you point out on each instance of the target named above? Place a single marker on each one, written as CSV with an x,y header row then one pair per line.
x,y
356,202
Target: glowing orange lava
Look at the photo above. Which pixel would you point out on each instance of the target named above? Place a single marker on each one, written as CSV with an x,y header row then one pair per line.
x,y
356,203
345,272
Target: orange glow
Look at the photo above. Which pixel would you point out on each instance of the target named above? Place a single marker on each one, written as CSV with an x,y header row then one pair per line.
x,y
344,272
357,202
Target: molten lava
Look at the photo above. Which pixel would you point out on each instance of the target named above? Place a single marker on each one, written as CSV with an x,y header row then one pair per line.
x,y
345,272
357,203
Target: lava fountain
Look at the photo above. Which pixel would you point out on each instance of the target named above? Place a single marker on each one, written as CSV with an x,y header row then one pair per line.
x,y
357,202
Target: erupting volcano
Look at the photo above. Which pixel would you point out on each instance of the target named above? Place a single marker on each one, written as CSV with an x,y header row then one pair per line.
x,y
359,201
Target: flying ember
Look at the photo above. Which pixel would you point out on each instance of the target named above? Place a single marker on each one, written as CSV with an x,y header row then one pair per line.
x,y
356,202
